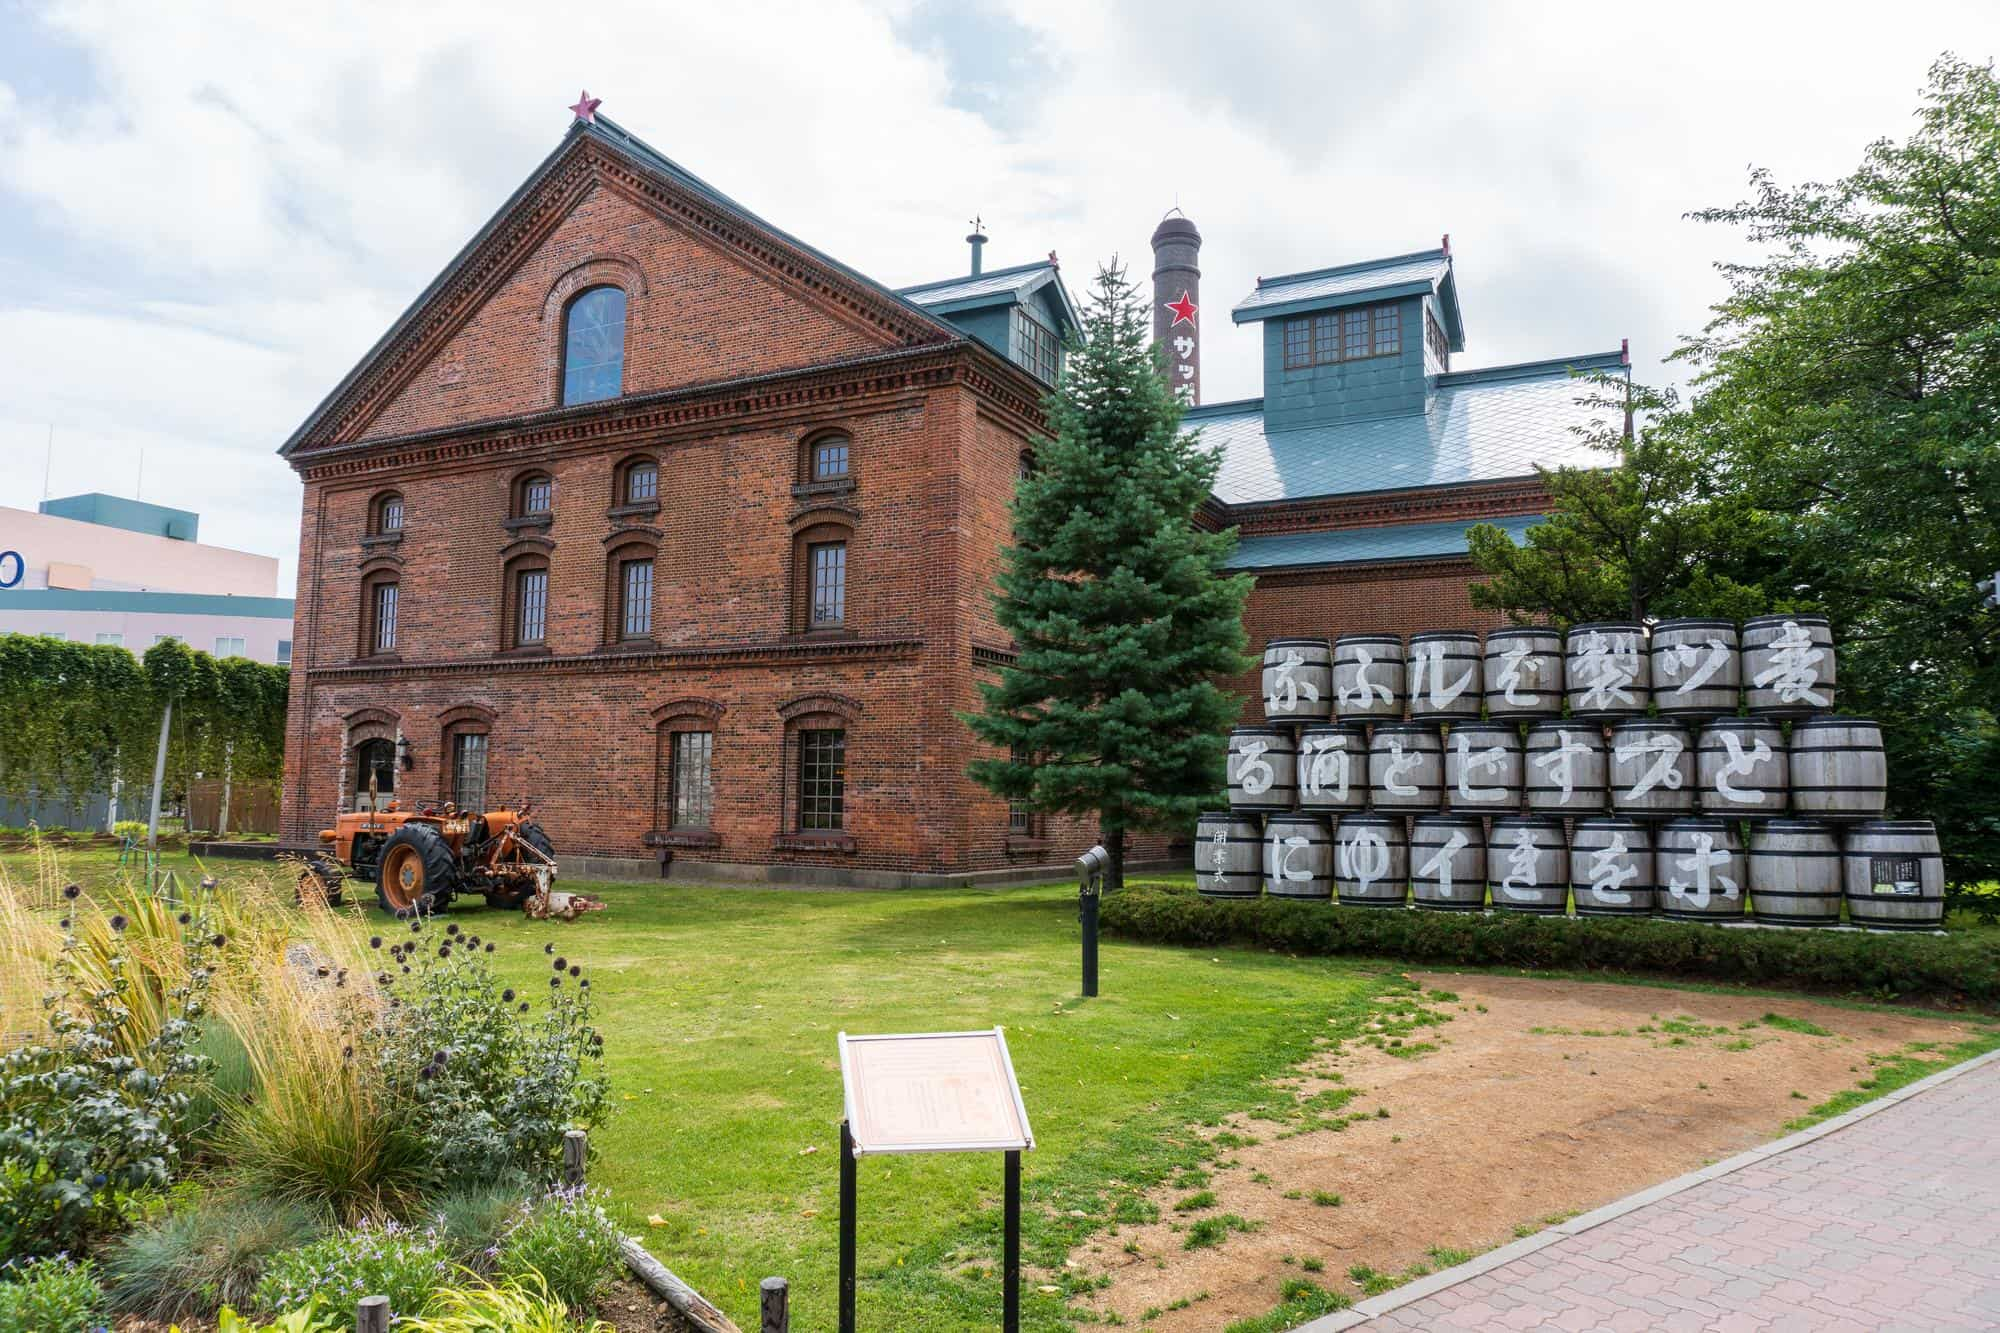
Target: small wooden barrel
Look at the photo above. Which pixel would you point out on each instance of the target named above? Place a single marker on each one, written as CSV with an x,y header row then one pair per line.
x,y
1611,867
1482,768
1298,857
1700,865
1527,865
1652,769
1838,771
1794,873
1368,677
1444,675
1371,866
1333,767
1564,772
1523,672
1741,767
1228,855
1405,767
1298,680
1788,665
1697,670
1262,769
1893,874
1448,863
1605,670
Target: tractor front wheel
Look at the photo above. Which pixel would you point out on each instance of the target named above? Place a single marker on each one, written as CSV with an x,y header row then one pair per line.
x,y
419,873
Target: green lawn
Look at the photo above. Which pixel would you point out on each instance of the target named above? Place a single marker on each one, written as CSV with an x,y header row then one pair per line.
x,y
720,1008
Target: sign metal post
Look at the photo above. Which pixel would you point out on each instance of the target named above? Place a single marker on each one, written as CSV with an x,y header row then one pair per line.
x,y
932,1092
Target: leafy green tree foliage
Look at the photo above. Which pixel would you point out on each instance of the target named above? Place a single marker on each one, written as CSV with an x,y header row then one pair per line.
x,y
1116,599
75,718
1653,530
1851,380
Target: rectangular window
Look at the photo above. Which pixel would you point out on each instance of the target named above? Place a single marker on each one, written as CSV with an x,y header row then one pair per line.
x,y
828,562
1020,818
1298,344
1434,338
1343,335
226,646
468,770
537,495
1036,347
636,580
830,459
284,652
111,640
692,801
642,483
822,779
531,606
385,617
392,516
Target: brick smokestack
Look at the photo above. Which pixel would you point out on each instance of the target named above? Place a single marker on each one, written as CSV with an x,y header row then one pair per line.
x,y
1176,294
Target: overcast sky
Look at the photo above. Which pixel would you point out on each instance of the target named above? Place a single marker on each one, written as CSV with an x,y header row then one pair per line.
x,y
209,211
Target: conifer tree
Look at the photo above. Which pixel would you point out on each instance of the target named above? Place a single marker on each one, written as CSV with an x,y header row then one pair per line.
x,y
1122,615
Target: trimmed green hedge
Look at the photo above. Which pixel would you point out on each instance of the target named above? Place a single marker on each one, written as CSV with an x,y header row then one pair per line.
x,y
1957,971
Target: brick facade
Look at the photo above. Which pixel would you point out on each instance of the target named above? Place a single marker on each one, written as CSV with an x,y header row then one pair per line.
x,y
741,349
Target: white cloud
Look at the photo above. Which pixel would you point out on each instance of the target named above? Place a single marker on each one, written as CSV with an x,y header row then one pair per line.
x,y
242,197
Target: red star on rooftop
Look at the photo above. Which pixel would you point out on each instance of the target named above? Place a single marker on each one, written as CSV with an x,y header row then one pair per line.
x,y
586,107
1183,311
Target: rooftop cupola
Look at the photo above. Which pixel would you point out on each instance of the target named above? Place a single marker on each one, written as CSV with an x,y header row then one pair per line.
x,y
977,240
1356,341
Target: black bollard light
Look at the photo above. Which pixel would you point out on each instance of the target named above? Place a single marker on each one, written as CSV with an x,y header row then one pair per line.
x,y
1090,869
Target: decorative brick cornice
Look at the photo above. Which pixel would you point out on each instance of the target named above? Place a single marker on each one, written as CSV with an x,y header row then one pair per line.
x,y
688,706
986,655
806,705
1468,501
602,663
654,420
1373,571
459,714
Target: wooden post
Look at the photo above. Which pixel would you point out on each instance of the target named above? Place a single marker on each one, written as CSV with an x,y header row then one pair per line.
x,y
576,1145
777,1297
372,1315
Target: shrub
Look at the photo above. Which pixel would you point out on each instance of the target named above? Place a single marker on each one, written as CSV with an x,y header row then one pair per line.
x,y
129,828
563,1238
210,1253
49,1296
485,1088
307,1319
386,1259
1956,970
519,1305
91,1108
470,1220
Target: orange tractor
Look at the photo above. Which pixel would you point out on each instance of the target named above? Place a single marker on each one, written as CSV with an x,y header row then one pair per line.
x,y
420,860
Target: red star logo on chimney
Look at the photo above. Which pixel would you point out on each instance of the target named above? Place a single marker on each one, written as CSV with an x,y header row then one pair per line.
x,y
586,107
1183,311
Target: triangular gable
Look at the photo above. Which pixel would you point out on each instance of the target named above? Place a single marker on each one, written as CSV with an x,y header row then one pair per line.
x,y
406,381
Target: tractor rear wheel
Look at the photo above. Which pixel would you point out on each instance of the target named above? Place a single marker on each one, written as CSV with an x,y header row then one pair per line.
x,y
532,835
419,873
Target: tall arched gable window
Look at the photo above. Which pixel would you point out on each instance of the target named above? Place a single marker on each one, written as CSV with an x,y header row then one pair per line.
x,y
594,346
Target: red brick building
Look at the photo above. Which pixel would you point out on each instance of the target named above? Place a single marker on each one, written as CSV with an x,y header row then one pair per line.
x,y
652,513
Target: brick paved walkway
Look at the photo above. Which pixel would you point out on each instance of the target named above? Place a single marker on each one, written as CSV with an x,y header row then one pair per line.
x,y
1883,1220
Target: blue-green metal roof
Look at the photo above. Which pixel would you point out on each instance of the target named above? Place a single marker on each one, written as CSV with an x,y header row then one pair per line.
x,y
146,603
1350,546
1000,286
1482,425
116,511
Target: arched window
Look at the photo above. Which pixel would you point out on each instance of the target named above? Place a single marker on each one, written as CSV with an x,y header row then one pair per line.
x,y
628,591
385,515
594,346
638,483
525,602
380,604
534,495
828,458
374,765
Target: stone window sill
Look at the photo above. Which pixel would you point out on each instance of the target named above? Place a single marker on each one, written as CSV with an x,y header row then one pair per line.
x,y
525,650
379,539
529,523
820,490
827,841
637,509
1018,845
684,837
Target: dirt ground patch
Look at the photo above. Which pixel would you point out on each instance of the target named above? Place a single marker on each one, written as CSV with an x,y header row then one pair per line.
x,y
1534,1099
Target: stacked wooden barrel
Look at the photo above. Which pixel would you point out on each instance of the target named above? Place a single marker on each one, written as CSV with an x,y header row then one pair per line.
x,y
1690,769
